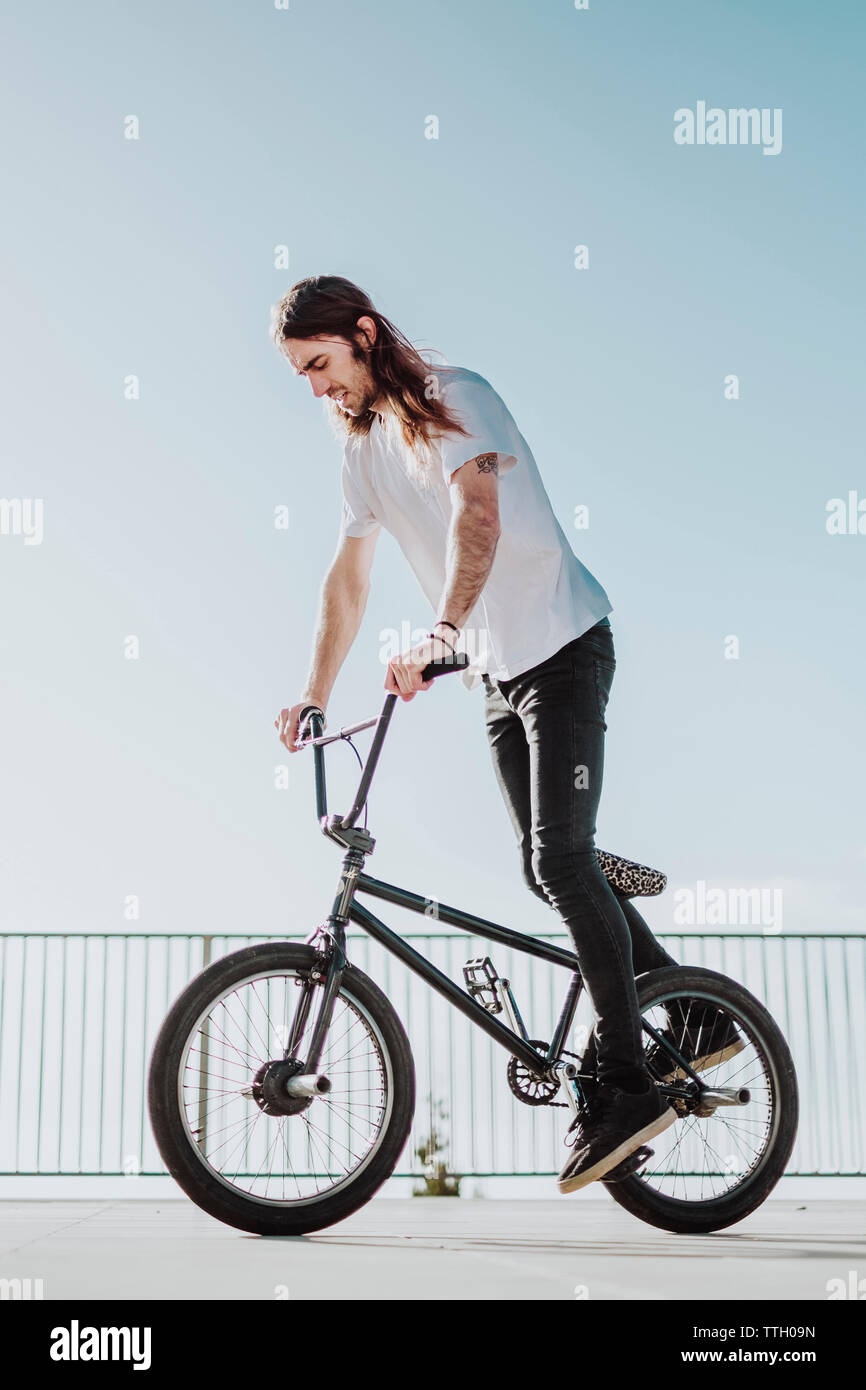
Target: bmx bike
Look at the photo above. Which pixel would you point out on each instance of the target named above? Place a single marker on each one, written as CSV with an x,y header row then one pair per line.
x,y
281,1089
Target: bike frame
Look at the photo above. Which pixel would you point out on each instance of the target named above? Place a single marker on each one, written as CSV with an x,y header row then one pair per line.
x,y
358,843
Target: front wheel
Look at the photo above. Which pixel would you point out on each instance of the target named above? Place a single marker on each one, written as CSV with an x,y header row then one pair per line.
x,y
225,1130
715,1165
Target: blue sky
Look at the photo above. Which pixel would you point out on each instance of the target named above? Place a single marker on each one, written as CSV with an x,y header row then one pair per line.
x,y
155,778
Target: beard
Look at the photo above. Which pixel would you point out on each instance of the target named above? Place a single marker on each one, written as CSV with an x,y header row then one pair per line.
x,y
365,387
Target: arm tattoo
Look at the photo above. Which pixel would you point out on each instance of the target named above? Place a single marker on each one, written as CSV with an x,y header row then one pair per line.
x,y
488,463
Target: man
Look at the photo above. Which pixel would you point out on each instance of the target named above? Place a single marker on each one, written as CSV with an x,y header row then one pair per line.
x,y
433,455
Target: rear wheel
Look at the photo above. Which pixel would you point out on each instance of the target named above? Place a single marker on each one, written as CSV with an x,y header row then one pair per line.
x,y
229,1134
711,1170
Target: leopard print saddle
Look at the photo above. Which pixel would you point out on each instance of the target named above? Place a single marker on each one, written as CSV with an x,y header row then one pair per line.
x,y
629,879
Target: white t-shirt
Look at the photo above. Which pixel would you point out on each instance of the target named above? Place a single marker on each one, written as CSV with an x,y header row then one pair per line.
x,y
538,596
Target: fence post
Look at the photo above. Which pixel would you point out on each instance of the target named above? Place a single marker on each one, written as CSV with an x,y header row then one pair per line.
x,y
201,1132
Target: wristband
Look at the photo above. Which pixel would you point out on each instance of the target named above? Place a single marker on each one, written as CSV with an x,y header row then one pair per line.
x,y
440,621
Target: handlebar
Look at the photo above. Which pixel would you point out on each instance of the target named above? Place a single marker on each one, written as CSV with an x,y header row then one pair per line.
x,y
443,666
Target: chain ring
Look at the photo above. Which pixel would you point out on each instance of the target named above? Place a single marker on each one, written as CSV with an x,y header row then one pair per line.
x,y
528,1087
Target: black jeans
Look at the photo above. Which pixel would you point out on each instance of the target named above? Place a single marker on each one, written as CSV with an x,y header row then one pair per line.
x,y
546,732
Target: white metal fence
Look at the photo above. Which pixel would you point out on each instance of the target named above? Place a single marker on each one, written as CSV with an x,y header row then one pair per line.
x,y
79,1013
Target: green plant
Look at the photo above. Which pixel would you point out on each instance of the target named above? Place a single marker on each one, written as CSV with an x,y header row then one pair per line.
x,y
433,1151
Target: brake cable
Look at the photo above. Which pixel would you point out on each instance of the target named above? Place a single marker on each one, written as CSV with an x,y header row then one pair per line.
x,y
347,738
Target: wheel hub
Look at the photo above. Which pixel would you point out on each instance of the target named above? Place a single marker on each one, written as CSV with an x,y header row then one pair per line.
x,y
269,1088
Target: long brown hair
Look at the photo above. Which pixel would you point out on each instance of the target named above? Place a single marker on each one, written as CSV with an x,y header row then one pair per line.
x,y
330,306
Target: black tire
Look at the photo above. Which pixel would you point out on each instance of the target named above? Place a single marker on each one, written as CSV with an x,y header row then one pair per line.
x,y
636,1193
198,1179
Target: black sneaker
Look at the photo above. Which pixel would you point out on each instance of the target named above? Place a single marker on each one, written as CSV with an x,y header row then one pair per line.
x,y
612,1126
629,1166
704,1040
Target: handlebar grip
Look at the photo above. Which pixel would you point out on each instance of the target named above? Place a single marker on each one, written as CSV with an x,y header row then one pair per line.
x,y
443,666
306,715
308,709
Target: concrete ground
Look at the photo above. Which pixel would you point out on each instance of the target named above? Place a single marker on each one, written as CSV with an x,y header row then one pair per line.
x,y
431,1248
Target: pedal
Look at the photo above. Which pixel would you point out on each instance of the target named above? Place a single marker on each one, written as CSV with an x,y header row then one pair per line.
x,y
482,983
629,1165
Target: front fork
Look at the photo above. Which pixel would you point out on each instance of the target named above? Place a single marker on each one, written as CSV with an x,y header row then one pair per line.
x,y
330,942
